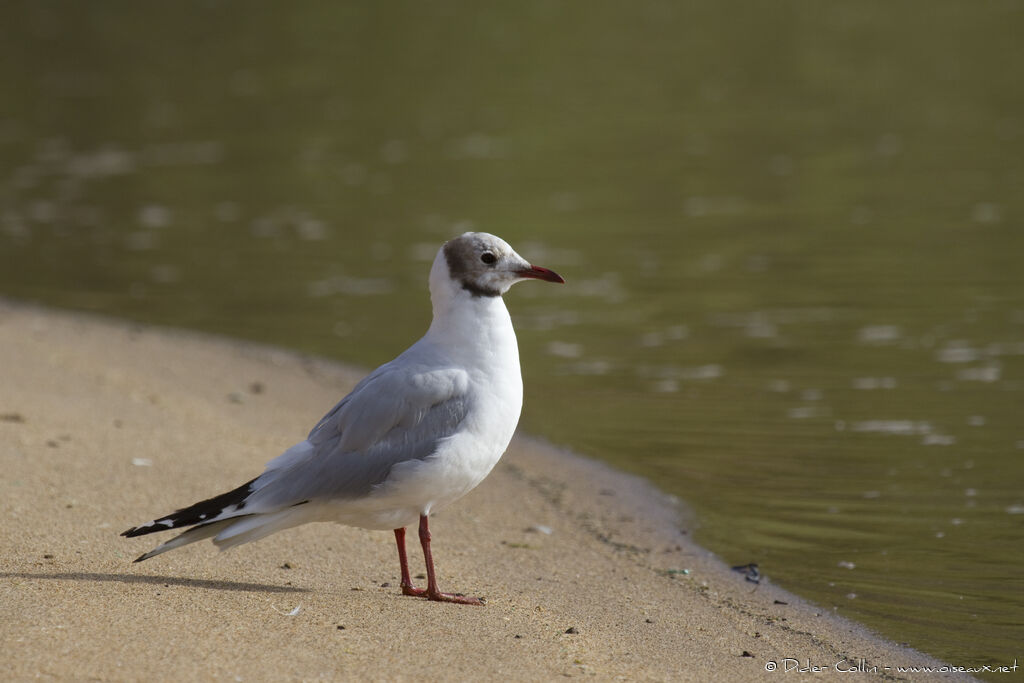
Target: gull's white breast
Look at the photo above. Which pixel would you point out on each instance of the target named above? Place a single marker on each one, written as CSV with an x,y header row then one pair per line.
x,y
480,341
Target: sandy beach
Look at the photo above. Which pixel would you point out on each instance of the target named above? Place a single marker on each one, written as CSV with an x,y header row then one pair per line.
x,y
586,572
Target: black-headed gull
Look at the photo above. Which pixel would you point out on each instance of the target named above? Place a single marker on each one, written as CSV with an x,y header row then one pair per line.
x,y
416,434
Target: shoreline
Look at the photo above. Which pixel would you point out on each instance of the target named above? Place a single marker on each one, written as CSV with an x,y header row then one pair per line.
x,y
106,423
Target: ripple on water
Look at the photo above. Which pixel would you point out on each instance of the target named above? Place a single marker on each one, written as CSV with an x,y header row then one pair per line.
x,y
984,373
154,216
957,351
880,334
101,163
564,349
587,368
900,427
870,383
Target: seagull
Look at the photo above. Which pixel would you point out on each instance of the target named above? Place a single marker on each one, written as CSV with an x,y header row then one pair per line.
x,y
414,435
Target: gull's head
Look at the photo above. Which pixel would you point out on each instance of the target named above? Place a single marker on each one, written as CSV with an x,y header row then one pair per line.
x,y
483,266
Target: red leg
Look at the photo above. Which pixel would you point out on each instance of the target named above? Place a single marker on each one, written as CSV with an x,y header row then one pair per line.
x,y
432,592
407,587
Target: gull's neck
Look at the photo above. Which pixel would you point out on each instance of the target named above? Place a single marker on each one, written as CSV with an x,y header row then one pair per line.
x,y
477,328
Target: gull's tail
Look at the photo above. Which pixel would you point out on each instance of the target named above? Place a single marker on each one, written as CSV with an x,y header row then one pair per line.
x,y
223,517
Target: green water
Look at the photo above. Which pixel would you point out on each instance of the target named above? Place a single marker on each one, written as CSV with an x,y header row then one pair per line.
x,y
792,233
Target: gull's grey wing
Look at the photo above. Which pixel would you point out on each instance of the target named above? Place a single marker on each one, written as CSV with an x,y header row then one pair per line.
x,y
394,415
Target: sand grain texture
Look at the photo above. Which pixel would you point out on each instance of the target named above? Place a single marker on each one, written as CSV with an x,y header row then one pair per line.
x,y
104,425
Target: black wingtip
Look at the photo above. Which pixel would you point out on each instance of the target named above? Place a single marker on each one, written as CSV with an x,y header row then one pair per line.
x,y
145,529
140,558
200,513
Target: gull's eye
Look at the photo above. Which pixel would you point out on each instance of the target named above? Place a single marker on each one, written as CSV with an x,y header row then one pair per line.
x,y
488,258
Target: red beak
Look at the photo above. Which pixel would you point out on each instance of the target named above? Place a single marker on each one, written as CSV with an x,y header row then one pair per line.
x,y
538,273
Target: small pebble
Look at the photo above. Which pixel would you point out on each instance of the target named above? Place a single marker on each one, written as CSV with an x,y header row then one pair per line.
x,y
286,565
340,627
386,584
649,621
12,417
572,630
780,602
746,654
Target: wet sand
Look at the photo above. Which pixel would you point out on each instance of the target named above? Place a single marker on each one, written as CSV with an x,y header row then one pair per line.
x,y
586,571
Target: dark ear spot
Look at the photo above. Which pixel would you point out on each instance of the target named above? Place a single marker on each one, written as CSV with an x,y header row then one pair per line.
x,y
462,261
